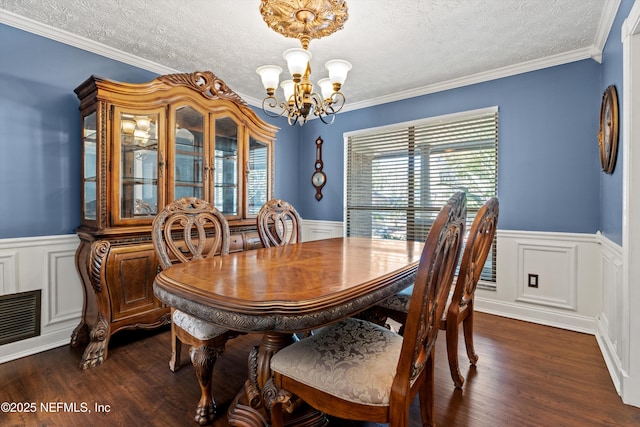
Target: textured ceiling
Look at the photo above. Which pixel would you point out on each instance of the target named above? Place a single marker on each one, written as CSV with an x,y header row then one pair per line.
x,y
398,48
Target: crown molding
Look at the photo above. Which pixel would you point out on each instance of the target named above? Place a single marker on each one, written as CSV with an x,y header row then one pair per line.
x,y
594,52
80,42
83,43
498,73
606,22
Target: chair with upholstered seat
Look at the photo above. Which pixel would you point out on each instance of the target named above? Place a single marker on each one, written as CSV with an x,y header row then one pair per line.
x,y
189,229
278,224
355,369
460,302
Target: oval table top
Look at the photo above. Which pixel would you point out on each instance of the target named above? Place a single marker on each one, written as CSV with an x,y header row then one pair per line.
x,y
290,288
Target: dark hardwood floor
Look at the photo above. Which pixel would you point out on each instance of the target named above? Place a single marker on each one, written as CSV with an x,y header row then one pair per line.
x,y
527,375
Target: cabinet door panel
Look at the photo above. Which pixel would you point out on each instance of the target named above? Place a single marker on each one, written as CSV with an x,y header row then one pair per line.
x,y
89,166
257,176
190,173
227,164
130,277
139,162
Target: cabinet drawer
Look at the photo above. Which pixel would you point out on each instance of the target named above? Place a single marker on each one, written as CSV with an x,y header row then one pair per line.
x,y
252,240
236,243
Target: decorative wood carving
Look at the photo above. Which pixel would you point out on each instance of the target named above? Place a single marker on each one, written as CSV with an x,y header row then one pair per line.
x,y
99,250
205,82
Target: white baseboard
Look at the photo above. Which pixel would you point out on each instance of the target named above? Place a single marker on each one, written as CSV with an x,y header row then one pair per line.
x,y
535,314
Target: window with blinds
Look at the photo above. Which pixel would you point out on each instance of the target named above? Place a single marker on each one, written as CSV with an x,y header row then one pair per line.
x,y
398,177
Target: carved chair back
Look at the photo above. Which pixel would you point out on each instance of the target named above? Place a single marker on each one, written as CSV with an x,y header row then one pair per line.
x,y
435,274
278,224
189,229
476,251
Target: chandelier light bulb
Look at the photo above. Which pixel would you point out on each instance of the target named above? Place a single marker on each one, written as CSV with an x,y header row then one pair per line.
x,y
270,75
325,87
288,87
297,61
338,70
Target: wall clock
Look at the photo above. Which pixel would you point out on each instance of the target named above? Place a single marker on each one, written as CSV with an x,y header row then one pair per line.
x,y
319,179
608,134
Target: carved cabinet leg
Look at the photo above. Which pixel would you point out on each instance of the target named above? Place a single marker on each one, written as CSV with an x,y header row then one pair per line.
x,y
203,359
96,352
80,335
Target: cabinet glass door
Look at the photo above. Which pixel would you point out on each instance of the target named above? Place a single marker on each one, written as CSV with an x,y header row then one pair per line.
x,y
139,159
226,166
89,182
189,154
257,176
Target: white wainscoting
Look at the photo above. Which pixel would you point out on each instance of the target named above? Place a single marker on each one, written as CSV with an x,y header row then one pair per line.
x,y
569,292
46,263
611,322
579,285
317,230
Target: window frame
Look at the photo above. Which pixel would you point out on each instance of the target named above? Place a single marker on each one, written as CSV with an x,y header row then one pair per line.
x,y
409,126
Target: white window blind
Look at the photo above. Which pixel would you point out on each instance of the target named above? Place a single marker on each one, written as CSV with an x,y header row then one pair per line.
x,y
399,177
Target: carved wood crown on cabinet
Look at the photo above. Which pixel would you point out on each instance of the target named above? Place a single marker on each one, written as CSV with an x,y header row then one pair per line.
x,y
143,146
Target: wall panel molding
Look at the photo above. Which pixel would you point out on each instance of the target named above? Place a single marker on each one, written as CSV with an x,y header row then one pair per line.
x,y
8,271
611,320
569,288
64,304
46,263
555,265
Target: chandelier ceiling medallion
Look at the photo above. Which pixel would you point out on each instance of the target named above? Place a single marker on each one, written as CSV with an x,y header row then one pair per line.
x,y
304,20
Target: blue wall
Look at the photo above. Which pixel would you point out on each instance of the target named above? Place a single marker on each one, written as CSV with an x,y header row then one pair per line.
x,y
548,164
40,145
611,185
549,171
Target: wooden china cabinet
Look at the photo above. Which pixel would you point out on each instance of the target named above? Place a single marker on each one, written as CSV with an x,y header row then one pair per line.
x,y
143,146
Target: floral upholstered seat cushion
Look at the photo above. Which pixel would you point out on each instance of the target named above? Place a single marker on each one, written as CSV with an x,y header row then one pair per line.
x,y
400,301
195,327
354,360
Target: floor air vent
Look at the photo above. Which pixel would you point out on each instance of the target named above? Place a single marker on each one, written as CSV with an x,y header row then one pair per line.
x,y
19,316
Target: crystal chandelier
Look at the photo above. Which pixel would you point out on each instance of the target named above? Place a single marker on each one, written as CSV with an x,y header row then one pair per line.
x,y
304,20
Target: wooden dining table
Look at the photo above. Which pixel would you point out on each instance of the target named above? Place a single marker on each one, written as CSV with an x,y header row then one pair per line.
x,y
283,290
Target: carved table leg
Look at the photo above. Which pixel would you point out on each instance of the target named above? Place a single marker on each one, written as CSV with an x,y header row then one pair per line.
x,y
251,406
96,352
203,359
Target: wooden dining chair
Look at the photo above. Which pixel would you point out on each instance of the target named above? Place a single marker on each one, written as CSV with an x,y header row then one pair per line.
x,y
278,224
185,230
460,302
357,370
